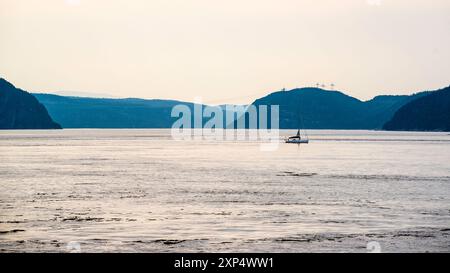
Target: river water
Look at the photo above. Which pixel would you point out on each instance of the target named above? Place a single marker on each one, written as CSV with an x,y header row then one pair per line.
x,y
141,191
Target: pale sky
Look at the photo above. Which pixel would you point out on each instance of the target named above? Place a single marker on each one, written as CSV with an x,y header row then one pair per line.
x,y
229,51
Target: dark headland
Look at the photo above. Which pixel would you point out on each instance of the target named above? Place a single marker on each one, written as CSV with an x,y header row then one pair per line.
x,y
21,110
428,113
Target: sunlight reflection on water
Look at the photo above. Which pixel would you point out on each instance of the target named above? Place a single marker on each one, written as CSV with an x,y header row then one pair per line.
x,y
138,190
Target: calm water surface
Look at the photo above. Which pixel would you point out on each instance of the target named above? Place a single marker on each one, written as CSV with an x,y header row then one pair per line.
x,y
139,190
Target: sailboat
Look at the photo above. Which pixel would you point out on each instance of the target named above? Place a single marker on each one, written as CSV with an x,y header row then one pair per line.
x,y
297,139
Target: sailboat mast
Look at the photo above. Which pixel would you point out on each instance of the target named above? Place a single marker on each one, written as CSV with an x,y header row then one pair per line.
x,y
300,121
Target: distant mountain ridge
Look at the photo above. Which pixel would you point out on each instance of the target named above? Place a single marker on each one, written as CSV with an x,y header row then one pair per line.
x,y
319,109
312,108
21,110
427,113
80,112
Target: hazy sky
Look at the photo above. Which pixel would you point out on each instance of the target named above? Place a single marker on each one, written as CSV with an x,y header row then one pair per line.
x,y
224,51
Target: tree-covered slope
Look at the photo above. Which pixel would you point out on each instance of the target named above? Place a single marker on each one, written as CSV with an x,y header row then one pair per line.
x,y
21,110
427,113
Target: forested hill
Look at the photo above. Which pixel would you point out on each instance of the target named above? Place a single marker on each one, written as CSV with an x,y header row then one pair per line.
x,y
21,110
427,113
327,109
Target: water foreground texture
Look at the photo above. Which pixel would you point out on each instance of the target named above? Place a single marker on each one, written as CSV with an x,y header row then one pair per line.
x,y
139,190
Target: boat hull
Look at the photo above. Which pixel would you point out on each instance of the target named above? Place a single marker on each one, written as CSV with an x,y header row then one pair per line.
x,y
297,141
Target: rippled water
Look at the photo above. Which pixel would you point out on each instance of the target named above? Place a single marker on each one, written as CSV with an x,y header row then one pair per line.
x,y
139,190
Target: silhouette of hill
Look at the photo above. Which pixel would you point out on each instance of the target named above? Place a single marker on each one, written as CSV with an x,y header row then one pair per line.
x,y
427,113
21,110
325,109
319,109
